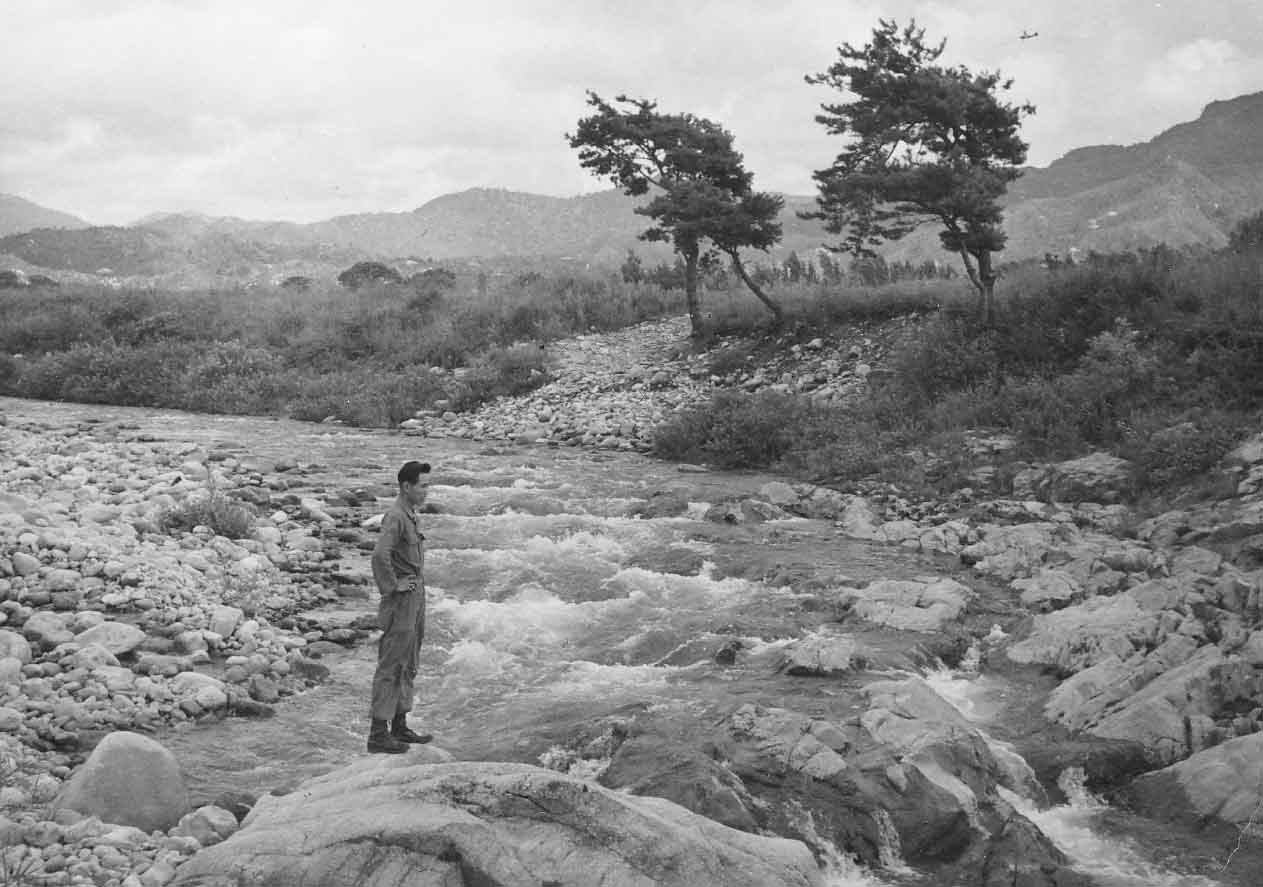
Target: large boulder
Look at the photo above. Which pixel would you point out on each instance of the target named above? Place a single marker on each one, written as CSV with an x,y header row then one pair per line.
x,y
911,719
911,782
225,619
683,774
13,645
822,654
1083,635
1224,782
209,693
1048,590
47,629
910,604
402,820
128,779
1098,477
117,637
1010,552
208,824
1171,701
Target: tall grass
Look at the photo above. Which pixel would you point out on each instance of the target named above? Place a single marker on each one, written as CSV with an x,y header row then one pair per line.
x,y
734,311
362,356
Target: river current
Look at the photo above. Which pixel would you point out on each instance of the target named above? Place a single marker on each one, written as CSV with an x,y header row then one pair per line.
x,y
552,604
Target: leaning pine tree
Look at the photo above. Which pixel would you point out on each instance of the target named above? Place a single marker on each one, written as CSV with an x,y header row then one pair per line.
x,y
928,144
703,194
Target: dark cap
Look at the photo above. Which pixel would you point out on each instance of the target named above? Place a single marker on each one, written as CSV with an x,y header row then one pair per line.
x,y
412,471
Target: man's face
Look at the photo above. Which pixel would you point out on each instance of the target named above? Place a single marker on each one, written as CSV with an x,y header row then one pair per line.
x,y
415,493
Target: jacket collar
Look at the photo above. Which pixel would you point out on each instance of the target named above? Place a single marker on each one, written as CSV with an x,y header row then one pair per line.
x,y
405,506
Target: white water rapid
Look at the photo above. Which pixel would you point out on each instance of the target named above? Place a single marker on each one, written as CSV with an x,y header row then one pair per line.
x,y
1074,827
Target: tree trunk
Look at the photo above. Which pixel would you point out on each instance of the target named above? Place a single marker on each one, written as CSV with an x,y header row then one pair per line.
x,y
983,278
970,270
777,314
987,277
690,291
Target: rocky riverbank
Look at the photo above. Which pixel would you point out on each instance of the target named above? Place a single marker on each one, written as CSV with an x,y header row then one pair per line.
x,y
611,390
115,616
109,622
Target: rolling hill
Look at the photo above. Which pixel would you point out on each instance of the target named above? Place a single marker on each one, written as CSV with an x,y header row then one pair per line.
x,y
18,214
1187,185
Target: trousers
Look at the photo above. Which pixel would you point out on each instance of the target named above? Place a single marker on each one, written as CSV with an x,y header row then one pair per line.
x,y
401,617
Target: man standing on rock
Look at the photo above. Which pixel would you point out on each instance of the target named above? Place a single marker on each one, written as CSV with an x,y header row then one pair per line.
x,y
398,558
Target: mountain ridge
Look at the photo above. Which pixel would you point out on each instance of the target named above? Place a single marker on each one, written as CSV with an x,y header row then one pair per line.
x,y
1186,185
17,214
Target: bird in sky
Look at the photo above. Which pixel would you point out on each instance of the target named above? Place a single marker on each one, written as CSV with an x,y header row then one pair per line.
x,y
1027,35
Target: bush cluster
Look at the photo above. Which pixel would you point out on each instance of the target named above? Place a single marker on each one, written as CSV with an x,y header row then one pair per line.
x,y
232,520
1156,356
317,351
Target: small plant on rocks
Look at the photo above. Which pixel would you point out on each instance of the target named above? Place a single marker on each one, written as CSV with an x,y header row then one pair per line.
x,y
249,593
233,520
20,865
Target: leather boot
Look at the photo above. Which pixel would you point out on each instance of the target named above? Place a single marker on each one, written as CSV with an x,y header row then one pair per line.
x,y
400,730
381,742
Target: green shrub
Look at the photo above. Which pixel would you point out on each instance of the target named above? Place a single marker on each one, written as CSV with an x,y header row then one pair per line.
x,y
1172,449
232,520
735,430
733,359
364,396
500,372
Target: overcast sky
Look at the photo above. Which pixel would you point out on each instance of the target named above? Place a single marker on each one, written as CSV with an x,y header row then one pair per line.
x,y
306,109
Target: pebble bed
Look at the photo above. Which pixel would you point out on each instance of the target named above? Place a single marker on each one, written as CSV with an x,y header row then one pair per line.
x,y
611,390
109,619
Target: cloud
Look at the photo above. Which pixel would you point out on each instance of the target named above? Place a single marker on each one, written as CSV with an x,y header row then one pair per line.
x,y
303,109
1201,71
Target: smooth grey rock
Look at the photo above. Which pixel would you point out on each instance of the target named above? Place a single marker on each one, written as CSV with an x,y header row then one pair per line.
x,y
208,825
820,655
406,820
48,629
25,564
130,780
1098,477
13,645
1224,782
911,605
117,637
1047,590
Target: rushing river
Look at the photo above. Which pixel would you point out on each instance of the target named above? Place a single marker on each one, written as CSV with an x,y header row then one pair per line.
x,y
552,605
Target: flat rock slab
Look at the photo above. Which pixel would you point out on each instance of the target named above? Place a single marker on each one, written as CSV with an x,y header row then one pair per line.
x,y
398,821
